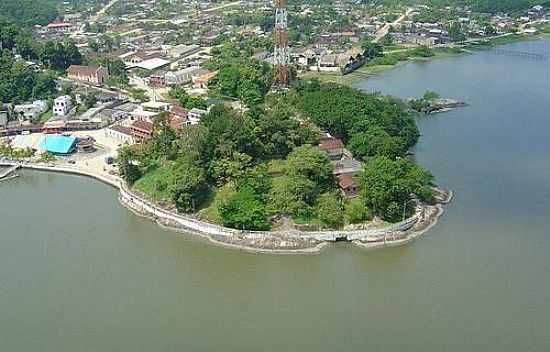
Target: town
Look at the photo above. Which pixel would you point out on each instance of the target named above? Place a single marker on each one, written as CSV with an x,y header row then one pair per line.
x,y
108,76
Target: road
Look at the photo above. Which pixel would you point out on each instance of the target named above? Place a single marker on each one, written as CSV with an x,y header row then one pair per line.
x,y
94,18
223,6
101,12
386,28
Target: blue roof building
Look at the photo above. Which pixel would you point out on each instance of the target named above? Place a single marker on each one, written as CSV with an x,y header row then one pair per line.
x,y
58,144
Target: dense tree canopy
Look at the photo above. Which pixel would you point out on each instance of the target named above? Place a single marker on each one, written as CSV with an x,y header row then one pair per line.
x,y
357,117
388,186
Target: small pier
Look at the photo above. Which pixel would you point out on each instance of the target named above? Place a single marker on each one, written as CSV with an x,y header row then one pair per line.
x,y
522,54
9,171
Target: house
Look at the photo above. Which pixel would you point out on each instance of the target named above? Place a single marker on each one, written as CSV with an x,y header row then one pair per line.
x,y
202,80
333,147
28,112
121,133
90,74
184,76
141,131
62,105
178,118
157,79
195,115
348,185
59,27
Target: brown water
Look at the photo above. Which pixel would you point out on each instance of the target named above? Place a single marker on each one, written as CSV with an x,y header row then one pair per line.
x,y
78,272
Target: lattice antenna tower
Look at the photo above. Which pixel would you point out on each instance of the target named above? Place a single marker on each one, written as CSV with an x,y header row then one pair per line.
x,y
282,53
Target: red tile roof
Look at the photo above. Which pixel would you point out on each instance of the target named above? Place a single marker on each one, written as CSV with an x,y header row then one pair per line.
x,y
330,144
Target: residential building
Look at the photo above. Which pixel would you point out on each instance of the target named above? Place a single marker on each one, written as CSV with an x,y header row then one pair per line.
x,y
195,115
348,185
59,27
333,147
28,112
90,74
121,133
141,131
62,105
179,118
184,76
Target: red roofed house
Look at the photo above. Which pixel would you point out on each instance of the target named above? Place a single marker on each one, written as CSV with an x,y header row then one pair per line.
x,y
91,74
178,117
348,185
141,131
59,27
333,147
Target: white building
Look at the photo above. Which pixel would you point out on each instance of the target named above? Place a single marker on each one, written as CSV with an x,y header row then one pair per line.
x,y
183,76
195,115
62,105
121,133
27,112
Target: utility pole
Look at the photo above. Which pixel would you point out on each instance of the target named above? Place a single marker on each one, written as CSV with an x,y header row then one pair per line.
x,y
282,52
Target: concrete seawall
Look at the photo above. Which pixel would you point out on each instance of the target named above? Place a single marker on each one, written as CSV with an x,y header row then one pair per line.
x,y
293,241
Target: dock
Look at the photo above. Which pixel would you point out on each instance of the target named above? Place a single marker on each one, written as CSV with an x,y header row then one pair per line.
x,y
9,171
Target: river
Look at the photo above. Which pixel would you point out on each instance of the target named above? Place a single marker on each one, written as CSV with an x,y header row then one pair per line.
x,y
78,272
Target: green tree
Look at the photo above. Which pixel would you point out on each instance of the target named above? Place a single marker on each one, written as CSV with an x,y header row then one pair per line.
x,y
311,163
244,210
356,211
329,210
388,186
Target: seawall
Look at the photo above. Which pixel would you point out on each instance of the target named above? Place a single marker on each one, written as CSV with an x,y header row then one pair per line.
x,y
283,242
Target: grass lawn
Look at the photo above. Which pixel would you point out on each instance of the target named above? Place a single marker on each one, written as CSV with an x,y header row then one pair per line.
x,y
153,184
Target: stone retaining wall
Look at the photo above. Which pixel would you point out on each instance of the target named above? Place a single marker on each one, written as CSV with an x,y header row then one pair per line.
x,y
251,239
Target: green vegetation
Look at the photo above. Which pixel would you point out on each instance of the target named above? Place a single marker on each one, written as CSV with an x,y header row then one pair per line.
x,y
18,80
387,186
243,170
8,151
185,100
423,105
29,12
239,76
347,113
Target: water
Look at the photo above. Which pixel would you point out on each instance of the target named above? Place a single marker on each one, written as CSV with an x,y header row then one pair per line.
x,y
78,272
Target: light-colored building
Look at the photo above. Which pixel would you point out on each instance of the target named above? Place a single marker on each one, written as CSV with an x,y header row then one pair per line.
x,y
195,115
90,74
121,133
27,112
184,76
62,105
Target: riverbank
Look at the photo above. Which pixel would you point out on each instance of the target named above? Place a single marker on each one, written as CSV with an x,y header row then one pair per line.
x,y
275,242
439,53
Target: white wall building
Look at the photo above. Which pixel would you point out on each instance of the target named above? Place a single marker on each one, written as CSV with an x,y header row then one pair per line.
x,y
62,105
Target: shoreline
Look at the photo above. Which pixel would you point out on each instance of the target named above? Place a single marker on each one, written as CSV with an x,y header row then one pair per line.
x,y
268,242
366,72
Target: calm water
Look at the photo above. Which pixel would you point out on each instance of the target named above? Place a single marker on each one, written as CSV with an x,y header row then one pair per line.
x,y
80,273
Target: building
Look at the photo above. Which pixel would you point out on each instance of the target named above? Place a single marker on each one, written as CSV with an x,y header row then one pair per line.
x,y
59,27
195,115
62,105
141,131
59,144
184,76
201,82
178,118
121,133
90,74
348,185
29,112
333,147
